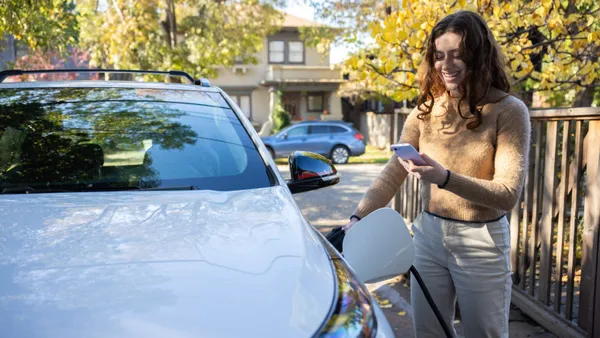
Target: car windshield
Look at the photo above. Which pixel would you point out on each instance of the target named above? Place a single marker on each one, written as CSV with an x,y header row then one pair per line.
x,y
94,139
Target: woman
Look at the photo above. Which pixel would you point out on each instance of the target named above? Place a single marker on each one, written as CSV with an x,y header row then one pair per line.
x,y
475,140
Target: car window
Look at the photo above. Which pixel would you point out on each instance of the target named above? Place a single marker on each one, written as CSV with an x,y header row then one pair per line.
x,y
338,129
87,139
319,129
298,131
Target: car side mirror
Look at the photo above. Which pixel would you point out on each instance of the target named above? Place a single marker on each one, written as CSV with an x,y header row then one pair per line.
x,y
283,136
310,171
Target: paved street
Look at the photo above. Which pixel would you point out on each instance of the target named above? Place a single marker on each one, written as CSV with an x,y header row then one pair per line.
x,y
329,207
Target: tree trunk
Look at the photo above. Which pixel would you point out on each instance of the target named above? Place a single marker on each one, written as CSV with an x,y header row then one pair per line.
x,y
584,97
170,24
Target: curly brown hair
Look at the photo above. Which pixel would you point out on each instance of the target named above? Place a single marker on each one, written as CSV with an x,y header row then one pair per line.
x,y
482,55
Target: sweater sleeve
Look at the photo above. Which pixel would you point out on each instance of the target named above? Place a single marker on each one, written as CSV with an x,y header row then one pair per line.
x,y
384,187
510,163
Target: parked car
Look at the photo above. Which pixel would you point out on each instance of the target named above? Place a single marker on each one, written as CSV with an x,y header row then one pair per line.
x,y
148,209
335,140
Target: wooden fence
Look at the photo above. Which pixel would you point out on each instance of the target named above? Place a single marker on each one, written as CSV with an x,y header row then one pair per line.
x,y
554,228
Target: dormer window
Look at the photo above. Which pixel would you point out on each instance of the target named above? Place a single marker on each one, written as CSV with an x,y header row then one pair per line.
x,y
286,52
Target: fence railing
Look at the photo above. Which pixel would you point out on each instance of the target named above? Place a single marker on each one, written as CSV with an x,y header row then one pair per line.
x,y
554,228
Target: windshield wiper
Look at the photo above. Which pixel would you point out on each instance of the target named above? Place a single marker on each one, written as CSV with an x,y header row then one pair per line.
x,y
133,187
183,187
30,190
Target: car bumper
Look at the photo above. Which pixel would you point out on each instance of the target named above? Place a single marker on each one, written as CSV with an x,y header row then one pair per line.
x,y
384,330
357,148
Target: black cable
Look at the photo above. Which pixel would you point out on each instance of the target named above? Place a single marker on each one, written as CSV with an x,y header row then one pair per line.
x,y
431,302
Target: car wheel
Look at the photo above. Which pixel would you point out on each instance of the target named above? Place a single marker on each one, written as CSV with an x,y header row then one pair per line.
x,y
271,152
340,155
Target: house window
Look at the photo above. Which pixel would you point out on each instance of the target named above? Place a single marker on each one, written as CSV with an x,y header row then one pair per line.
x,y
243,101
277,51
315,103
281,51
295,52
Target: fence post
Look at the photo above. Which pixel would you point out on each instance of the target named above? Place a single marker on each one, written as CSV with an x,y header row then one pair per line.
x,y
548,212
589,317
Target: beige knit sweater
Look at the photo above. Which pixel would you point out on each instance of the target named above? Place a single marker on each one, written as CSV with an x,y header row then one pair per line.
x,y
487,164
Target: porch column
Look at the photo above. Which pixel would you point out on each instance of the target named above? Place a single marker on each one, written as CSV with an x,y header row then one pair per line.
x,y
272,99
335,105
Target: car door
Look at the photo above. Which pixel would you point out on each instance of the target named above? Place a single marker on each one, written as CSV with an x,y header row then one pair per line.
x,y
291,140
319,139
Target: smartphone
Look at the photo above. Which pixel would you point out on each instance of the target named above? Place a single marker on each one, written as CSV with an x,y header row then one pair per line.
x,y
407,152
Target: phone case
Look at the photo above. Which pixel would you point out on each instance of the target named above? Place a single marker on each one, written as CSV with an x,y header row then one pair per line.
x,y
408,152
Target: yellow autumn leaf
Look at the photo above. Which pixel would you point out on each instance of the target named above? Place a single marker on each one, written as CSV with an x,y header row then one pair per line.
x,y
389,66
389,36
401,35
547,3
496,12
402,313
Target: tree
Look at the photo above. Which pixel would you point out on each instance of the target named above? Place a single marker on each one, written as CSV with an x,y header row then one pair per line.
x,y
551,47
39,24
192,35
53,59
281,118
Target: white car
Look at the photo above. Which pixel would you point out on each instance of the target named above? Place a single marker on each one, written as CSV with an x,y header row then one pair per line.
x,y
149,209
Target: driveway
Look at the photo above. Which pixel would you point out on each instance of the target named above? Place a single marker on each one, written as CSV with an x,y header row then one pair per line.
x,y
328,207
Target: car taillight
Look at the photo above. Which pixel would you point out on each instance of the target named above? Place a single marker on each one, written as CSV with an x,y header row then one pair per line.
x,y
359,136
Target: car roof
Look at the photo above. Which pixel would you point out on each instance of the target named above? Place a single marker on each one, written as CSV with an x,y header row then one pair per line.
x,y
106,84
324,121
200,84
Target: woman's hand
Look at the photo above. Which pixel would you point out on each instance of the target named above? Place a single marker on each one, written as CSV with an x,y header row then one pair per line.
x,y
350,224
432,172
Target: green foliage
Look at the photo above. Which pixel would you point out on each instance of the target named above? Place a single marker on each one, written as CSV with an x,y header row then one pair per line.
x,y
40,24
192,35
281,118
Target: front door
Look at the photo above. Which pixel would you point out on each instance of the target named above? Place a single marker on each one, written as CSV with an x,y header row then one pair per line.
x,y
291,104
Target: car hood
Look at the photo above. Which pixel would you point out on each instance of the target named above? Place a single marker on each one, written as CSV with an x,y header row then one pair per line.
x,y
160,264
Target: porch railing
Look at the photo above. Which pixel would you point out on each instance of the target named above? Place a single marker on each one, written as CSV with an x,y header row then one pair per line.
x,y
554,227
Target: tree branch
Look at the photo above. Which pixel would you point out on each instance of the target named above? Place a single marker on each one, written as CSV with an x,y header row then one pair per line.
x,y
119,12
386,76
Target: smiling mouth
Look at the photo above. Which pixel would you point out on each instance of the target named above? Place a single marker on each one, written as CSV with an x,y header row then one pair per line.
x,y
450,75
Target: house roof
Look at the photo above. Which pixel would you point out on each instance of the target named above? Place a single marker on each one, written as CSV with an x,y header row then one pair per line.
x,y
293,21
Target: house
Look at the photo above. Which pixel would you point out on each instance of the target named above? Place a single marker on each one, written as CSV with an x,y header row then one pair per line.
x,y
306,78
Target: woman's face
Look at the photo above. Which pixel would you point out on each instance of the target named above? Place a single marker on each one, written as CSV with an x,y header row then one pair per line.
x,y
448,64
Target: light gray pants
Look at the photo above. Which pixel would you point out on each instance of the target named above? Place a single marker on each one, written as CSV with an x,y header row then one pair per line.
x,y
468,261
